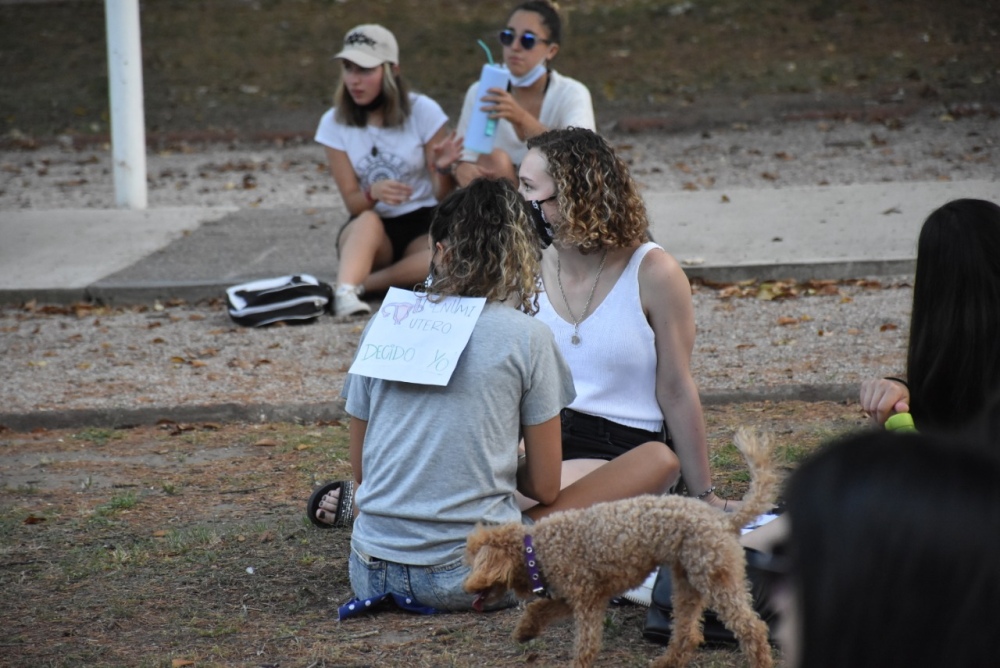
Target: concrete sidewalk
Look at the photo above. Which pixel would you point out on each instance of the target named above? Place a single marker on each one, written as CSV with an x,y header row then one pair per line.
x,y
136,256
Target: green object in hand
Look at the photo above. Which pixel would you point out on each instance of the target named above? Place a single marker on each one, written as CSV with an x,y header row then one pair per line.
x,y
900,422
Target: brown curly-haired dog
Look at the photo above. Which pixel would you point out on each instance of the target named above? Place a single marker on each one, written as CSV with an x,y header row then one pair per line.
x,y
588,556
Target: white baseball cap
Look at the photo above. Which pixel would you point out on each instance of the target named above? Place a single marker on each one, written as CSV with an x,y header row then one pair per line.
x,y
370,46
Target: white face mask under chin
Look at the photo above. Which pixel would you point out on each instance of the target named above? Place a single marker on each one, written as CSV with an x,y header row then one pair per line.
x,y
530,77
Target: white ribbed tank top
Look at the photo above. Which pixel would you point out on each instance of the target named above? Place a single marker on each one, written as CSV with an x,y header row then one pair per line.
x,y
614,367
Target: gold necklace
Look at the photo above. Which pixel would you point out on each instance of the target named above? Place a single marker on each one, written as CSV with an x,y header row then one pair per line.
x,y
575,339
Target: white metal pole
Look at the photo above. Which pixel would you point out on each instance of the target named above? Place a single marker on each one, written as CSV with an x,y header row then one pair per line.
x,y
128,122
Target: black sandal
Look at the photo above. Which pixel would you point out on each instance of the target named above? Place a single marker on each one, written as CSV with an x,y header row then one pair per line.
x,y
344,516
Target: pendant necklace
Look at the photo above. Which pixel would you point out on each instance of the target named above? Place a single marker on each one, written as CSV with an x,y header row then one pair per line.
x,y
371,135
372,131
575,339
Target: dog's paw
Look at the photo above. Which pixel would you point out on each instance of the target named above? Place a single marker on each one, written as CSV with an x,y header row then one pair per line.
x,y
525,632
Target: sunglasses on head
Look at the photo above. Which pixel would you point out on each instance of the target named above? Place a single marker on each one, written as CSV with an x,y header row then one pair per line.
x,y
528,39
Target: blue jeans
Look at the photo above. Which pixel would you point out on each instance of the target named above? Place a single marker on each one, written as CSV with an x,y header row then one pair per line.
x,y
438,587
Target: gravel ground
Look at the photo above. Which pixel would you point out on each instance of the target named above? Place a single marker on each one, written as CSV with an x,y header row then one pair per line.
x,y
58,359
824,338
928,146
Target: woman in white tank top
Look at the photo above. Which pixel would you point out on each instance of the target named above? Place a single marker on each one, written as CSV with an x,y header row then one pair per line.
x,y
620,308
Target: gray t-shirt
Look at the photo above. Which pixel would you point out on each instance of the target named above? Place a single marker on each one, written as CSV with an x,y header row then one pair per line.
x,y
437,460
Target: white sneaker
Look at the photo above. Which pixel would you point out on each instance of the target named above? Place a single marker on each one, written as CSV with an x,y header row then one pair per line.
x,y
346,302
643,594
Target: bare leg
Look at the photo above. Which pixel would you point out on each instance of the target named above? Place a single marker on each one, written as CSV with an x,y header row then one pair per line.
x,y
411,269
572,470
650,468
363,244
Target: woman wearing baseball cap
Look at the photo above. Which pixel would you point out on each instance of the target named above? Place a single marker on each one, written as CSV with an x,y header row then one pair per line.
x,y
378,138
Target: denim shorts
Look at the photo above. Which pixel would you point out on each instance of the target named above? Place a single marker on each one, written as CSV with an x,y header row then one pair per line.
x,y
438,587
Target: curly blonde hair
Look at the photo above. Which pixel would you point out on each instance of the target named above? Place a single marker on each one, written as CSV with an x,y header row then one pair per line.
x,y
597,198
491,247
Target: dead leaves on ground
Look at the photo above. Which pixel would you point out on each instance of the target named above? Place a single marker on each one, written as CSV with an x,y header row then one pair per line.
x,y
158,316
790,289
785,289
239,363
178,428
195,359
93,309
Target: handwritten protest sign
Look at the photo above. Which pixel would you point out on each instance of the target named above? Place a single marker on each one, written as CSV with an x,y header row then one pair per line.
x,y
415,340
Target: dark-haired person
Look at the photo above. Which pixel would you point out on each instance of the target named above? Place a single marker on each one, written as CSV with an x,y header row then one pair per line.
x,y
380,143
891,556
429,462
538,99
953,357
620,307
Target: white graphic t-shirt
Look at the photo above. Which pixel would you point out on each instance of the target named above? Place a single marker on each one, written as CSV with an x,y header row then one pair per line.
x,y
390,153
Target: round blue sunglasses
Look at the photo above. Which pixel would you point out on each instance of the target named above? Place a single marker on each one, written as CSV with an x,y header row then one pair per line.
x,y
528,39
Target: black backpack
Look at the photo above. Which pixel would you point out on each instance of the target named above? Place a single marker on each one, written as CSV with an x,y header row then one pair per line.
x,y
294,299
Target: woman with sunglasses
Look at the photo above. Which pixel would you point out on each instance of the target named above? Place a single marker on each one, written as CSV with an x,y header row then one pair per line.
x,y
379,140
621,311
538,98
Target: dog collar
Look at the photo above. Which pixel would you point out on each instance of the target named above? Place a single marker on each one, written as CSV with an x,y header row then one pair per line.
x,y
534,570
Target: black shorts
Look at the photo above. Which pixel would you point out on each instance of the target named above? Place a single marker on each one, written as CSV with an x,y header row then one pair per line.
x,y
590,437
401,230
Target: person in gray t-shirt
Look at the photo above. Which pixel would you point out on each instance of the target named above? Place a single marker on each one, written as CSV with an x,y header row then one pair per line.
x,y
430,462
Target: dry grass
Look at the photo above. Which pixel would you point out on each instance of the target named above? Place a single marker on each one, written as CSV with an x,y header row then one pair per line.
x,y
132,547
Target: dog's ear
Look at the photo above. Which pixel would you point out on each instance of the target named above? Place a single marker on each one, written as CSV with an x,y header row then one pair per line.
x,y
491,567
494,555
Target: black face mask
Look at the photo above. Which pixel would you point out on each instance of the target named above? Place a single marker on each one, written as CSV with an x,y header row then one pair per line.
x,y
374,104
544,229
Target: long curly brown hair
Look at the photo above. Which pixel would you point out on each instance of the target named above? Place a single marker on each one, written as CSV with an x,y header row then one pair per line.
x,y
491,247
597,198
